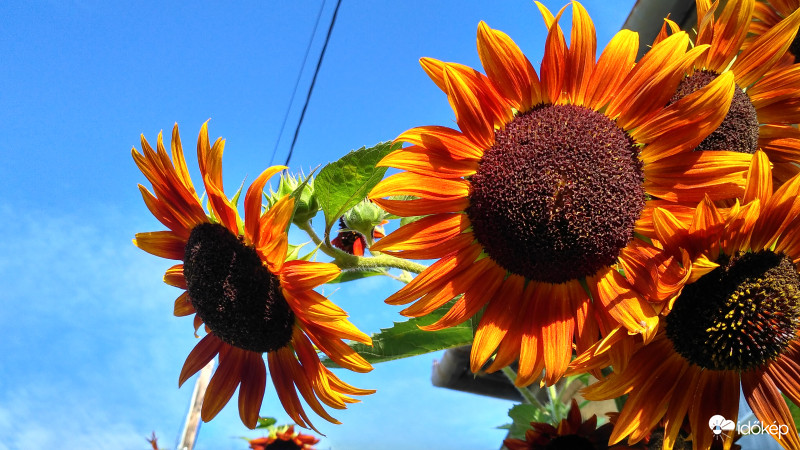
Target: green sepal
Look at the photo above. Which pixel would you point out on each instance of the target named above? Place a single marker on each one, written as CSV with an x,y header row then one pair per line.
x,y
342,184
266,422
350,275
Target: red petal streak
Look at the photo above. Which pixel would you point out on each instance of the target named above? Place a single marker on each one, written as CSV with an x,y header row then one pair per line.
x,y
435,276
692,176
508,68
174,276
475,296
554,63
759,179
421,207
422,161
406,183
553,311
442,140
696,116
646,71
717,392
613,66
458,284
251,392
161,243
224,382
583,47
284,386
302,275
497,320
623,304
183,306
222,207
765,51
252,202
423,233
201,354
531,352
768,405
473,117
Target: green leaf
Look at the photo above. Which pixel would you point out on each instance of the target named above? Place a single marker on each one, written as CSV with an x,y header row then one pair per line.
x,y
341,184
406,339
266,422
350,275
523,415
795,410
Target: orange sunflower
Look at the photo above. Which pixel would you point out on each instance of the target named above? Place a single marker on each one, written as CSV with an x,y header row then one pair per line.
x,y
571,433
736,325
239,285
766,102
284,438
532,207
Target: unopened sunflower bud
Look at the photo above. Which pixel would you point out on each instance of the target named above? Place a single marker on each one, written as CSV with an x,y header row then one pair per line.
x,y
306,205
364,218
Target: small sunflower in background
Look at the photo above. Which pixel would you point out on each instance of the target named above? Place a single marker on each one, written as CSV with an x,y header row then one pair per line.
x,y
734,327
572,433
766,102
533,206
768,13
284,438
238,284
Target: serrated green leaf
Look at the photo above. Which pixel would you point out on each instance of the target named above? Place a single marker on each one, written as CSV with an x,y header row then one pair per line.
x,y
341,184
406,339
523,415
795,410
350,275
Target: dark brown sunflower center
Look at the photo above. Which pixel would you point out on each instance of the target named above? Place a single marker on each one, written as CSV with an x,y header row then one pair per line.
x,y
740,315
738,131
235,295
571,442
556,197
794,48
280,444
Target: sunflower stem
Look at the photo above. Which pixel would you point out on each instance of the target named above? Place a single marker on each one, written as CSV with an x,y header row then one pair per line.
x,y
527,395
347,261
555,406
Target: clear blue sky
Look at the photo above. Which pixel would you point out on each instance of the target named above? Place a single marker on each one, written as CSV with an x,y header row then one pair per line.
x,y
90,352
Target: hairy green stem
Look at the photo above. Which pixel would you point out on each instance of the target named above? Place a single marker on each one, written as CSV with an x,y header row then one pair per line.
x,y
347,261
526,393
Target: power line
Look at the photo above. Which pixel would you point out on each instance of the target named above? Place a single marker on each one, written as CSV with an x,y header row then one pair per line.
x,y
297,82
313,81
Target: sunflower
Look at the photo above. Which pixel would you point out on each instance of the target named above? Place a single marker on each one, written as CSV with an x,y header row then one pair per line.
x,y
735,325
238,284
766,101
284,438
536,200
571,433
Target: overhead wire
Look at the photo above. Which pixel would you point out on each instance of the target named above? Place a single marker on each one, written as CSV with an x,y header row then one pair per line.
x,y
297,83
313,81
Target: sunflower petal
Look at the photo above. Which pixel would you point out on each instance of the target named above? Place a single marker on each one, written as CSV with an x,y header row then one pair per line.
x,y
765,51
768,405
223,383
161,243
508,68
613,66
251,392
